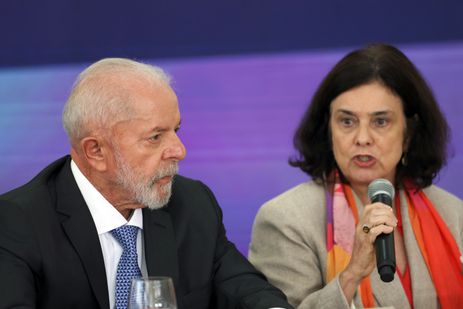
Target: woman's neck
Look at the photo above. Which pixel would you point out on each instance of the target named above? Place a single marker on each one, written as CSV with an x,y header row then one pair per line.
x,y
362,193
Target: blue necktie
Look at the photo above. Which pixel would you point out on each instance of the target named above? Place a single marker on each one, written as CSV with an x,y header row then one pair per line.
x,y
127,269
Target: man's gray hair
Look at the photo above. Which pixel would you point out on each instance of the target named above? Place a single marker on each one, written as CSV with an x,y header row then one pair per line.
x,y
101,94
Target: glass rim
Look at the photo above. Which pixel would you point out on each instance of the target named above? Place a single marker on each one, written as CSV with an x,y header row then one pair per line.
x,y
152,278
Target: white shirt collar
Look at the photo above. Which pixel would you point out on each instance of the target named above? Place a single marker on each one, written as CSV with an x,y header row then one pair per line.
x,y
105,216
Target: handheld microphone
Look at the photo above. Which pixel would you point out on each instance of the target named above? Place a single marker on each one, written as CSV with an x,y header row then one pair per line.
x,y
381,190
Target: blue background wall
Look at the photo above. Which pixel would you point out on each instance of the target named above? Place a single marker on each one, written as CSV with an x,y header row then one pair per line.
x,y
244,72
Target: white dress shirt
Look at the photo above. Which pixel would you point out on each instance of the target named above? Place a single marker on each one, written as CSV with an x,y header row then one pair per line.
x,y
107,218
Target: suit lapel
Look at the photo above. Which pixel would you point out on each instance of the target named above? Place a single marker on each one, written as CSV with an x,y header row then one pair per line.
x,y
160,246
78,225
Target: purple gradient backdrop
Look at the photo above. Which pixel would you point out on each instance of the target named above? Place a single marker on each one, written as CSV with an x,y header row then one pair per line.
x,y
238,117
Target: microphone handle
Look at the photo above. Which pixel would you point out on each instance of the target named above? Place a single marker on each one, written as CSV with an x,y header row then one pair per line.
x,y
384,245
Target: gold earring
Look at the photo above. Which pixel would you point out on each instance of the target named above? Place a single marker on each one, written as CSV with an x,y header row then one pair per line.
x,y
404,159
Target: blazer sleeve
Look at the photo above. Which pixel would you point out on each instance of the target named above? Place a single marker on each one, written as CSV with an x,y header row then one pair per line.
x,y
18,258
288,247
237,283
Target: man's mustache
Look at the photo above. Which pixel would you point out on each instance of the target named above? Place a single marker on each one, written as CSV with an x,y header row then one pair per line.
x,y
169,170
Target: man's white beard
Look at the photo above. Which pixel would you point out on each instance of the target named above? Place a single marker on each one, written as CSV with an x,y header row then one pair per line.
x,y
142,188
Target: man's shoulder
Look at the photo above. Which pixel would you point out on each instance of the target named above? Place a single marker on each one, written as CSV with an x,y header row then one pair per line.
x,y
188,192
186,186
37,186
182,181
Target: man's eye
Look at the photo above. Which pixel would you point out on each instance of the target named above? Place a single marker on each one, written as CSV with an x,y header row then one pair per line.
x,y
155,137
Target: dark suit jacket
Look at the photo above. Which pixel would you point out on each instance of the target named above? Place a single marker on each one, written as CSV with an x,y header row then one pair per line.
x,y
50,255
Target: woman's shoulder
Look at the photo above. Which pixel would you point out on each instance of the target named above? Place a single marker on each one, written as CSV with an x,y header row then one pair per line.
x,y
448,205
306,196
298,213
440,196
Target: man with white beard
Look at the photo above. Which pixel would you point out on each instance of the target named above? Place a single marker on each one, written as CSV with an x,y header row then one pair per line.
x,y
62,235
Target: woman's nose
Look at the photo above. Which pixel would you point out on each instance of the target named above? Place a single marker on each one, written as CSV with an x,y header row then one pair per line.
x,y
363,137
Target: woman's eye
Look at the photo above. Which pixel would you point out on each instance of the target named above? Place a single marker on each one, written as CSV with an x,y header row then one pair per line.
x,y
347,122
381,122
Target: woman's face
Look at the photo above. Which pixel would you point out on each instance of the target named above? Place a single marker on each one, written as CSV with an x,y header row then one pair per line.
x,y
368,129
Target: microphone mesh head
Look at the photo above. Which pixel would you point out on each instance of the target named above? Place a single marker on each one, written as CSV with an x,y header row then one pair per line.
x,y
380,186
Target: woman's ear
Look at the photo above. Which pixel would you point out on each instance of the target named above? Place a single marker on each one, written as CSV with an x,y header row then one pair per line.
x,y
406,142
412,124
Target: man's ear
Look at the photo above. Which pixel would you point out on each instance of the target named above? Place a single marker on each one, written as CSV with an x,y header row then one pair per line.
x,y
95,151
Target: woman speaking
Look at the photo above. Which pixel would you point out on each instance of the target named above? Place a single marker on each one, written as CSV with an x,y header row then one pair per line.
x,y
373,117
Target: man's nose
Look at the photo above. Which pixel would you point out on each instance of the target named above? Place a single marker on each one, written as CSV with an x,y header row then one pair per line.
x,y
176,150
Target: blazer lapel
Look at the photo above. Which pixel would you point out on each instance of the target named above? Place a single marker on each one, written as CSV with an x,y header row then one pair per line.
x,y
78,225
388,293
424,292
160,246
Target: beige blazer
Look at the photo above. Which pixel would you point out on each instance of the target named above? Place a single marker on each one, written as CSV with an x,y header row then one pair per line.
x,y
288,246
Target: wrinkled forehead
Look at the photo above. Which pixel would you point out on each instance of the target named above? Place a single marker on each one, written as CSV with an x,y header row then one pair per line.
x,y
147,98
154,104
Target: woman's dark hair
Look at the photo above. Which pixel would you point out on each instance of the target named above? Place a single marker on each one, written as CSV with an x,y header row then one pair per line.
x,y
427,130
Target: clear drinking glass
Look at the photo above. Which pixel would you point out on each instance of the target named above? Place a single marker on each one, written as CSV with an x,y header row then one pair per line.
x,y
152,293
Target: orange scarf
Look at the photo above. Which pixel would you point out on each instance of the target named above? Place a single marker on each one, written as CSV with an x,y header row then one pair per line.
x,y
435,241
438,247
